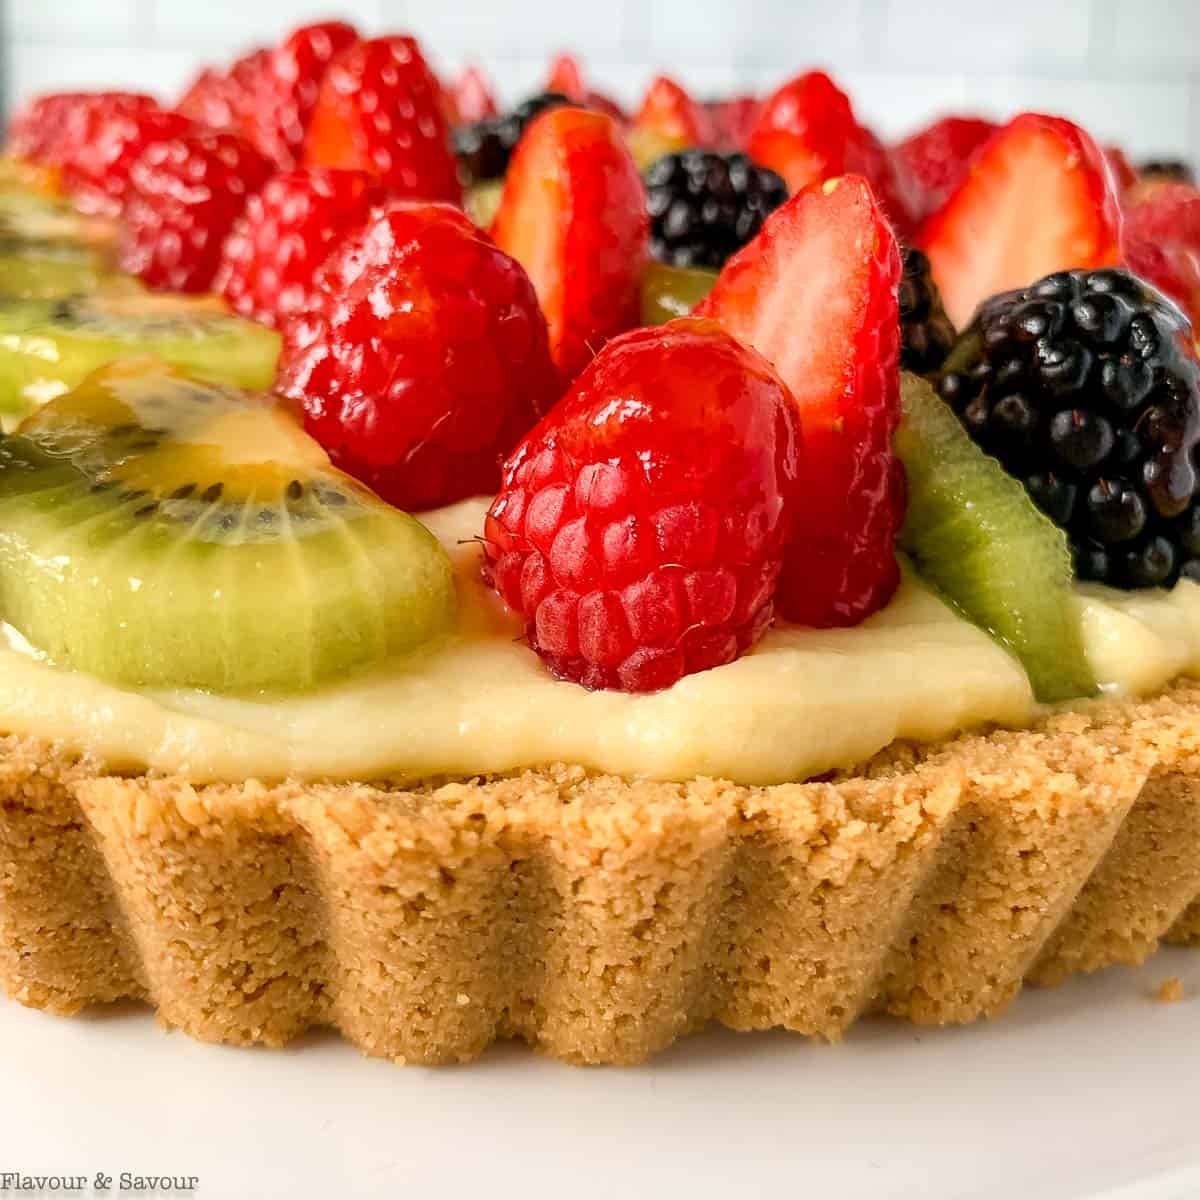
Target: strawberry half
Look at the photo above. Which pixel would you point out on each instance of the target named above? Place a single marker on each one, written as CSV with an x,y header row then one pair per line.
x,y
573,214
380,110
807,132
1161,240
566,78
816,294
668,120
732,121
1037,198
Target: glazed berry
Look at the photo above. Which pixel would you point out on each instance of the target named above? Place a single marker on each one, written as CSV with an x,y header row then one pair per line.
x,y
668,120
815,294
380,110
937,156
704,205
926,334
222,100
1086,387
285,92
485,147
52,128
184,196
472,97
639,528
1161,240
1039,197
807,132
96,174
573,214
423,358
270,258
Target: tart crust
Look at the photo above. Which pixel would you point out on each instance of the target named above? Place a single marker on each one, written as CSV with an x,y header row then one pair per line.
x,y
598,918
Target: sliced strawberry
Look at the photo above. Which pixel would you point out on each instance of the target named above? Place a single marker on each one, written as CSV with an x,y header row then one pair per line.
x,y
1161,240
936,157
668,111
1124,176
806,132
1038,197
380,110
566,78
816,294
472,97
573,214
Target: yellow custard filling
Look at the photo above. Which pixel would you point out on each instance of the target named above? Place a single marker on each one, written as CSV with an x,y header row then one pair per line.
x,y
803,702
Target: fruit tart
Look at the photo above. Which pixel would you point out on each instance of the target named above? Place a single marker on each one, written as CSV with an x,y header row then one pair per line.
x,y
727,570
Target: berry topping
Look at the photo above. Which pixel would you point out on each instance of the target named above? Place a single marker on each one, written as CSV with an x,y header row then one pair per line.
x,y
566,77
668,119
184,196
1168,170
639,528
1086,387
472,97
223,100
926,334
1038,197
936,157
574,215
485,147
380,111
423,359
1161,239
96,174
732,119
51,129
287,230
807,132
816,294
287,87
704,205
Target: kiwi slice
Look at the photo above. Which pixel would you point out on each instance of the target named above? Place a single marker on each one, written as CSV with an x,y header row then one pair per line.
x,y
48,346
157,531
973,532
35,217
670,292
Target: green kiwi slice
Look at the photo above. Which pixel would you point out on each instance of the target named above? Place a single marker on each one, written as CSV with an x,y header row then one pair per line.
x,y
32,216
670,292
158,531
974,533
48,346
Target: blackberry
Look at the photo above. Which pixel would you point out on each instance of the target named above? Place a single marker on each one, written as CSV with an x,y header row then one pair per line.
x,y
1173,169
1086,387
704,205
926,334
484,148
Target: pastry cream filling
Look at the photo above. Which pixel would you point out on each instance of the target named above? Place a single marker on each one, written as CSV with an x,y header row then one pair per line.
x,y
802,702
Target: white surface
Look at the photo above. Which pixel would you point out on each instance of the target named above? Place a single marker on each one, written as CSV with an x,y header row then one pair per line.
x,y
1127,69
1090,1090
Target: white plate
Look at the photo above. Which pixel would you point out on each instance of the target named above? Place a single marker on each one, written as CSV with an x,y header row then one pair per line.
x,y
1088,1090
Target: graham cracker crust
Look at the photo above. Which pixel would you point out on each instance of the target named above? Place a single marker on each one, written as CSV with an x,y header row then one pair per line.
x,y
596,918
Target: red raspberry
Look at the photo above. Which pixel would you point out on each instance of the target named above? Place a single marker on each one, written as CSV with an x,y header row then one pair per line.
x,y
937,156
380,110
807,132
184,197
816,293
270,258
640,527
424,359
52,128
96,174
287,88
222,99
1161,242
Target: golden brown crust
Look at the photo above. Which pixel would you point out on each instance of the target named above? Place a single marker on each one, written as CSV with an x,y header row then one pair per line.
x,y
599,918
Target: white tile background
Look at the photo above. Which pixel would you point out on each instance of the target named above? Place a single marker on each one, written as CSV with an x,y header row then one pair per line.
x,y
1127,69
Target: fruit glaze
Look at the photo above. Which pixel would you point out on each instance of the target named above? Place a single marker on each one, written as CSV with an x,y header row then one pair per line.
x,y
739,442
